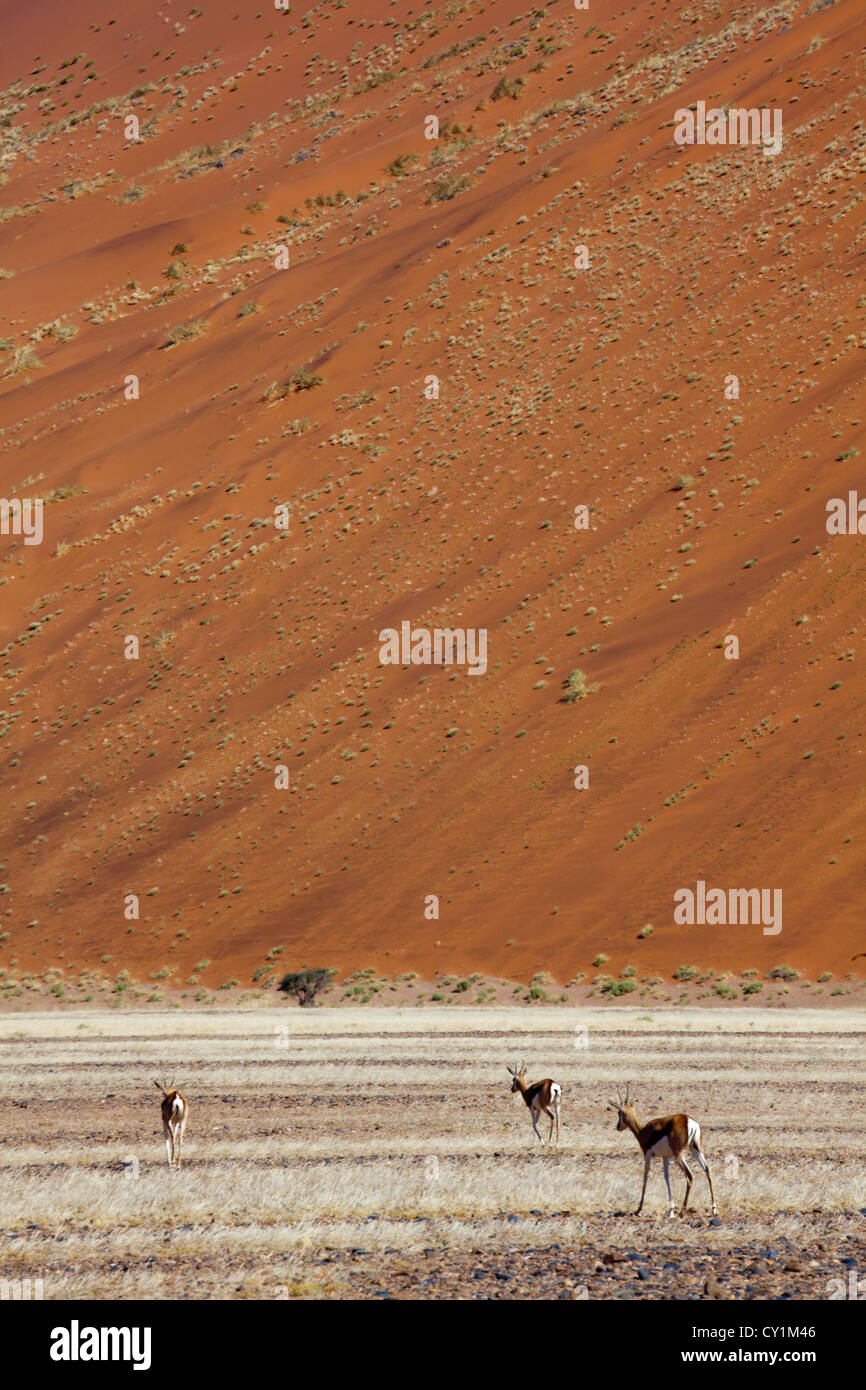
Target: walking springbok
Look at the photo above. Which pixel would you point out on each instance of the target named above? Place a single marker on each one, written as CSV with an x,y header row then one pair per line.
x,y
671,1137
175,1113
540,1096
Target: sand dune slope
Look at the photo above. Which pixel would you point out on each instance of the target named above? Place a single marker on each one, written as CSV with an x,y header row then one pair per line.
x,y
169,381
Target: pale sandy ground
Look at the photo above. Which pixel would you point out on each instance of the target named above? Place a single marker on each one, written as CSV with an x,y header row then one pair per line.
x,y
361,1021
354,1154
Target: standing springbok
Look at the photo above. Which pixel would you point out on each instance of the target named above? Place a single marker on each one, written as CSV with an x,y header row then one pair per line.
x,y
175,1113
671,1137
540,1096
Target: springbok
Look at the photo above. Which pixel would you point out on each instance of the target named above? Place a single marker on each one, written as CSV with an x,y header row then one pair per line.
x,y
540,1096
671,1137
175,1113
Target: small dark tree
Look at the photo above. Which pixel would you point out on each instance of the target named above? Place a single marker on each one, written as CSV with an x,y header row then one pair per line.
x,y
305,984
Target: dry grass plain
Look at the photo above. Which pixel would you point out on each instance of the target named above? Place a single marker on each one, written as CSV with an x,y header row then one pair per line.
x,y
357,1153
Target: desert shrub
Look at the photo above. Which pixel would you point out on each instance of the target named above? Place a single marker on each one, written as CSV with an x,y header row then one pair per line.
x,y
447,186
686,972
327,200
508,88
183,332
399,167
782,972
24,360
302,380
64,492
576,687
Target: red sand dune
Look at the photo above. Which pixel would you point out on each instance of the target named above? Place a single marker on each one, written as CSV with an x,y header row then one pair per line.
x,y
559,387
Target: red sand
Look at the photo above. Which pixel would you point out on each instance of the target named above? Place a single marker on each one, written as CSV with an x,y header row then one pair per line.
x,y
558,387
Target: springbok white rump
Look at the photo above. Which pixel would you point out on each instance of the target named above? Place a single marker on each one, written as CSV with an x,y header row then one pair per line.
x,y
175,1113
671,1137
542,1096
